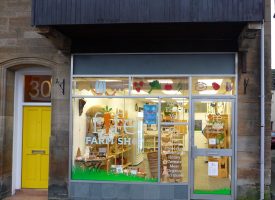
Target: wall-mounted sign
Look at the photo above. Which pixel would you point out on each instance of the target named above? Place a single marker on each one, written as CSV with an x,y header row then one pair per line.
x,y
150,114
37,88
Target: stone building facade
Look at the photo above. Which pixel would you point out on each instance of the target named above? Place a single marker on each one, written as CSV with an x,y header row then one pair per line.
x,y
24,46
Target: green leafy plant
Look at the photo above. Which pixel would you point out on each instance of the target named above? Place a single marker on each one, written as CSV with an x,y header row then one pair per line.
x,y
220,137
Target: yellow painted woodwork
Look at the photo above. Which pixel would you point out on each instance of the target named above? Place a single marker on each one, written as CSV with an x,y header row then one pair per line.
x,y
35,147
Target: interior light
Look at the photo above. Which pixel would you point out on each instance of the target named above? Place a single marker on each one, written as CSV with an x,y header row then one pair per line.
x,y
209,82
110,80
171,92
208,92
156,101
140,114
152,98
162,81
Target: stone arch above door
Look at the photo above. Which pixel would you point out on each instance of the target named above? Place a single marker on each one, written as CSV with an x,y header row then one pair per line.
x,y
7,86
17,63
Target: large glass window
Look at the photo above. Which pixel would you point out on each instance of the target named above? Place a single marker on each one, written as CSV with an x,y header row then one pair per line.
x,y
159,86
115,139
213,85
135,129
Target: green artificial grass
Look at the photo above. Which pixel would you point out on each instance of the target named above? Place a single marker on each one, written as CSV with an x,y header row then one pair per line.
x,y
223,191
102,175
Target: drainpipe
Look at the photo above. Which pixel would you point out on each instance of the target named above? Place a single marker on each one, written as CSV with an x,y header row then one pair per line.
x,y
262,114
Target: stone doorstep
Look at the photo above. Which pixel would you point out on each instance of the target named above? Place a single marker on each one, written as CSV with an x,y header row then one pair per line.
x,y
32,192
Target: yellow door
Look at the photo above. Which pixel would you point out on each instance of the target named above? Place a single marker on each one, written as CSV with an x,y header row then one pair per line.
x,y
35,155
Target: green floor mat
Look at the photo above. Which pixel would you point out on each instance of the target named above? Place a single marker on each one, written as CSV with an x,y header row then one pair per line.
x,y
223,191
102,175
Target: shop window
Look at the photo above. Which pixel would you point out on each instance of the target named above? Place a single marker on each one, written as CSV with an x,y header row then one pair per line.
x,y
156,86
118,139
110,142
213,85
101,86
174,140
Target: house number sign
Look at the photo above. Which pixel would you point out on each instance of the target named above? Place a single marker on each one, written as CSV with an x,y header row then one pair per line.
x,y
37,88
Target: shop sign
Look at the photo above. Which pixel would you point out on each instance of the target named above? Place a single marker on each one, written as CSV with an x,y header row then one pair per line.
x,y
107,140
213,168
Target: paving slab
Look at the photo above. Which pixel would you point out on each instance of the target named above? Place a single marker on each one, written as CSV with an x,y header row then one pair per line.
x,y
29,194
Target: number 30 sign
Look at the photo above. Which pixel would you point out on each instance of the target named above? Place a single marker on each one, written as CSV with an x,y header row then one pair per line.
x,y
37,88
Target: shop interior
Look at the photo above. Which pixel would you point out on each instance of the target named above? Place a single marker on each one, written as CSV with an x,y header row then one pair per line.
x,y
121,136
122,139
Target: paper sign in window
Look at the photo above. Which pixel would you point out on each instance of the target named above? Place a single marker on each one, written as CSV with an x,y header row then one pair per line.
x,y
213,168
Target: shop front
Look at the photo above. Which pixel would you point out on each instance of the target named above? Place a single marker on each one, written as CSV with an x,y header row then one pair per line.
x,y
153,126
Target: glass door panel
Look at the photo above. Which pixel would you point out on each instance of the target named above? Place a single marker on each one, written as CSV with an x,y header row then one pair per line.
x,y
174,153
212,175
212,124
211,138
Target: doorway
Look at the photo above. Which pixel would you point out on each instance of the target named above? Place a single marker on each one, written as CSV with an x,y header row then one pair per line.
x,y
212,159
35,151
32,96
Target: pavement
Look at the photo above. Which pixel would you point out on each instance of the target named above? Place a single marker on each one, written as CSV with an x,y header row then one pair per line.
x,y
273,174
29,194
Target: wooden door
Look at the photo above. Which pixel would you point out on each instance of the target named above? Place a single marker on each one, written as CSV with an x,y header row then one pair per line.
x,y
35,152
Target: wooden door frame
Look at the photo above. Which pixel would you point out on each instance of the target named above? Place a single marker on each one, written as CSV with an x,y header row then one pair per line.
x,y
18,121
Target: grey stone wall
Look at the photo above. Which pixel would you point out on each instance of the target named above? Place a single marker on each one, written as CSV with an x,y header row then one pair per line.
x,y
124,191
22,46
249,109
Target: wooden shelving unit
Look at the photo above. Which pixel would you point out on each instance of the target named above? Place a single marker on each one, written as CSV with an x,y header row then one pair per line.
x,y
216,132
116,154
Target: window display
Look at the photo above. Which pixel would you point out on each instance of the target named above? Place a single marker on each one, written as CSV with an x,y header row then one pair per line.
x,y
111,146
136,129
160,86
213,86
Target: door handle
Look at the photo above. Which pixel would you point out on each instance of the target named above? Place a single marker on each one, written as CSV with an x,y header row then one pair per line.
x,y
38,151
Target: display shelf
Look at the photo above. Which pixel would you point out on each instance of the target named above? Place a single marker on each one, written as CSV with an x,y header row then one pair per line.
x,y
151,141
115,150
123,151
216,132
126,165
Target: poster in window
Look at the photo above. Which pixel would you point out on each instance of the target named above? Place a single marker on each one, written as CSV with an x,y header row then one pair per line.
x,y
150,114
